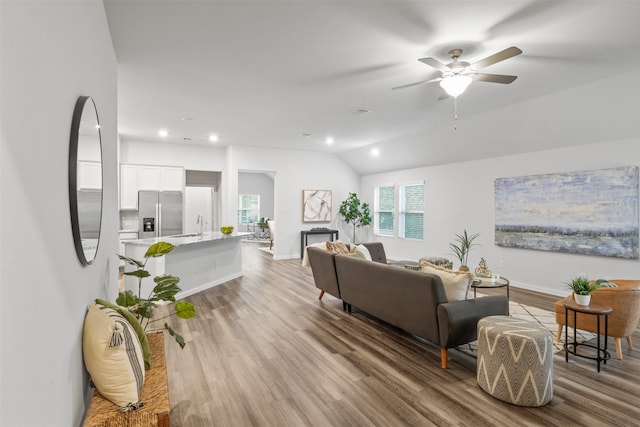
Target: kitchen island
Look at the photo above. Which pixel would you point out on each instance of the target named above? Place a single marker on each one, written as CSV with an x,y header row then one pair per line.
x,y
200,261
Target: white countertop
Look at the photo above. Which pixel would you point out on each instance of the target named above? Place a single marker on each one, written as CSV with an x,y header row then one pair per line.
x,y
186,239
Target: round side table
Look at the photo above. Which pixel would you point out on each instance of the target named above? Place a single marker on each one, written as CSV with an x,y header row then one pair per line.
x,y
597,310
488,283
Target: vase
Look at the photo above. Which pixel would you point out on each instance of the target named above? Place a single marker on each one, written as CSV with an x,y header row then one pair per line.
x,y
463,268
582,299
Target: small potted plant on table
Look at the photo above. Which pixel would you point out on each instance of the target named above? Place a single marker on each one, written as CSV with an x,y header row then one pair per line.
x,y
582,288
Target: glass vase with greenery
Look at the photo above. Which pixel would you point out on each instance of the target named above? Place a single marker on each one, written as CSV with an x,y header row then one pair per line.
x,y
355,212
165,289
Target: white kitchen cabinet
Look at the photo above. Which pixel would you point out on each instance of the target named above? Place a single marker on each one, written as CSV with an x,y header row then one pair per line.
x,y
128,187
125,236
149,178
171,179
89,175
160,178
134,178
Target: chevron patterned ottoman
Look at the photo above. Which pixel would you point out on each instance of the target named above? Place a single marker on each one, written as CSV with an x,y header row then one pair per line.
x,y
515,360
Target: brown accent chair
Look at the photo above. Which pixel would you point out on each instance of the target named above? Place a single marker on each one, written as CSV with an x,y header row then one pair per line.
x,y
623,320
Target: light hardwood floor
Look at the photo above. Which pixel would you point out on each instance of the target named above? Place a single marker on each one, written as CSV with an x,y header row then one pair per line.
x,y
263,351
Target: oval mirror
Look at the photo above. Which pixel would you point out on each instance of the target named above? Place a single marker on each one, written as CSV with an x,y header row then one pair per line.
x,y
85,179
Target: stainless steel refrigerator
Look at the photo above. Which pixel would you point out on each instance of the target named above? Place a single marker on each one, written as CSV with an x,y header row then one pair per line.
x,y
159,213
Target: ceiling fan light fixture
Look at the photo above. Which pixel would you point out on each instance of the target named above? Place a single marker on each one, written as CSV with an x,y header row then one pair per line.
x,y
455,85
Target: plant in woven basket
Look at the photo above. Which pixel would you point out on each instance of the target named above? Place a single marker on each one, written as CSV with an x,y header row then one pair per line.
x,y
165,290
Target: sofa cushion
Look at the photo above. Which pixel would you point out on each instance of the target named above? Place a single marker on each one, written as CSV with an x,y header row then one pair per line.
x,y
456,283
363,251
355,254
604,283
113,355
337,247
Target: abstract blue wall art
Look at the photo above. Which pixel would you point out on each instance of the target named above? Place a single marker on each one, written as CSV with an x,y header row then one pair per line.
x,y
589,212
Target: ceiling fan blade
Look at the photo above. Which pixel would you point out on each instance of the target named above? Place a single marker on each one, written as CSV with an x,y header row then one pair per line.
x,y
509,52
417,83
435,64
494,78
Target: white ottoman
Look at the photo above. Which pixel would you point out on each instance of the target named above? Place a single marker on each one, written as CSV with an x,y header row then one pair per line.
x,y
515,360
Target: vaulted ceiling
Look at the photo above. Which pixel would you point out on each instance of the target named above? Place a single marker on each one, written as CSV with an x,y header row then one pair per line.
x,y
289,74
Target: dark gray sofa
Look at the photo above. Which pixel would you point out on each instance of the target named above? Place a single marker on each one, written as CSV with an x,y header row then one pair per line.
x,y
410,300
323,267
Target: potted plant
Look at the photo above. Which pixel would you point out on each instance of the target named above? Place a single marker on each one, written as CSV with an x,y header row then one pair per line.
x,y
165,290
461,246
582,288
354,212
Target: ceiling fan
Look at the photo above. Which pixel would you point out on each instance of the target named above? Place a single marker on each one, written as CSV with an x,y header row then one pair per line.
x,y
457,75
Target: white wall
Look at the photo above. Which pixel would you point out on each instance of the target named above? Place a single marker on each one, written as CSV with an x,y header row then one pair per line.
x,y
189,156
258,183
52,52
296,171
460,196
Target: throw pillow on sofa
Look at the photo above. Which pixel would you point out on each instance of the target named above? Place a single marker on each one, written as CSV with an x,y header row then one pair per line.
x,y
363,251
113,356
456,283
337,247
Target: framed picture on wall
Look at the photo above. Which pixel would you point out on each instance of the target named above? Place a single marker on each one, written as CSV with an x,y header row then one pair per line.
x,y
316,205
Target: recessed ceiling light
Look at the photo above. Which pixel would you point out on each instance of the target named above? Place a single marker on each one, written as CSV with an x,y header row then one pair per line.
x,y
214,138
375,152
187,119
329,140
163,133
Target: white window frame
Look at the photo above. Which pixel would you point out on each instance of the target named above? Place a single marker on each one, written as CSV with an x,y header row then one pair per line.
x,y
402,209
249,211
377,210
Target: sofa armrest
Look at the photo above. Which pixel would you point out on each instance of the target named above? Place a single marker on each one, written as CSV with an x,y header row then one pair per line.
x,y
323,268
458,320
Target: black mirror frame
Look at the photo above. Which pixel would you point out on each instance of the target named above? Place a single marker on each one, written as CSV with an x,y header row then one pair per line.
x,y
73,176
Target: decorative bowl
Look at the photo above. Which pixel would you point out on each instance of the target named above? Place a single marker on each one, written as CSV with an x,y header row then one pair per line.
x,y
226,229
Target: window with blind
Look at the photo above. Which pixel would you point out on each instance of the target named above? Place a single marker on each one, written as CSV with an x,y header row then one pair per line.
x,y
384,210
248,208
411,211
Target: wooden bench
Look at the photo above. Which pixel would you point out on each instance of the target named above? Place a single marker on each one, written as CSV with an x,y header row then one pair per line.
x,y
155,395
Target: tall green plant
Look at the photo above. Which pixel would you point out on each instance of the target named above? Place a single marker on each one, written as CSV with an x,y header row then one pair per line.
x,y
165,289
462,245
354,212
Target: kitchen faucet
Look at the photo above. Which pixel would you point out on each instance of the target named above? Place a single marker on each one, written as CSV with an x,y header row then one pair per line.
x,y
199,222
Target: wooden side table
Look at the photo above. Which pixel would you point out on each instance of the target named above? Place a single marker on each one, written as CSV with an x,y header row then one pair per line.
x,y
597,310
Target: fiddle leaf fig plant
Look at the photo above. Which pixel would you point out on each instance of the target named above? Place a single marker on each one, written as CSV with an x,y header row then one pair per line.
x,y
165,290
354,212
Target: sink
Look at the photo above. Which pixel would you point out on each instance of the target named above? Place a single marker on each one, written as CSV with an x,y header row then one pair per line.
x,y
186,235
